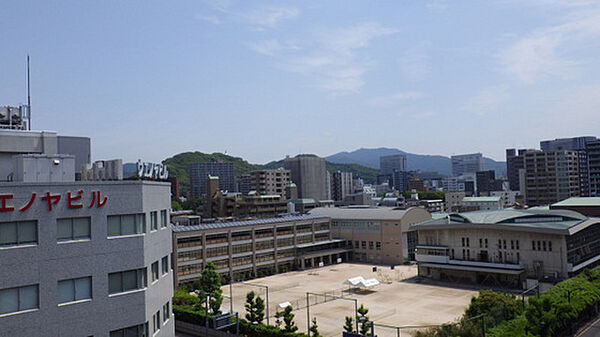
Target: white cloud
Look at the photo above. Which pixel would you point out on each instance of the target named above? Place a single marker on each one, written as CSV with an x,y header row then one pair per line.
x,y
267,47
547,52
397,98
270,17
487,100
211,19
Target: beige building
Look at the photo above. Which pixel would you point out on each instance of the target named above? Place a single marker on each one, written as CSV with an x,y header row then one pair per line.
x,y
507,247
378,235
453,201
269,182
255,247
551,176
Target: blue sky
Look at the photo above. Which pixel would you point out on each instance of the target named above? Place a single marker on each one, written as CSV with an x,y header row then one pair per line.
x,y
258,79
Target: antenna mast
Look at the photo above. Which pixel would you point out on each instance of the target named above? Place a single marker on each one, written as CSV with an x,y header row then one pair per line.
x,y
28,97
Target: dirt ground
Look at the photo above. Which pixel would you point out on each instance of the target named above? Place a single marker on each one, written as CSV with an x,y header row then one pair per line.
x,y
397,301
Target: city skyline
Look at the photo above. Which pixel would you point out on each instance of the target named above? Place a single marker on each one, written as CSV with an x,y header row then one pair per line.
x,y
151,81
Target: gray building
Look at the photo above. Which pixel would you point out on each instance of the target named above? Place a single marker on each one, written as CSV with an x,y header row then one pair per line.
x,y
80,147
573,144
341,185
199,172
389,164
310,175
593,165
515,161
466,163
85,259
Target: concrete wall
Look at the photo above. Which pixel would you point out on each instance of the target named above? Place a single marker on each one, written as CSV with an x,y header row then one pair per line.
x,y
13,142
79,147
48,261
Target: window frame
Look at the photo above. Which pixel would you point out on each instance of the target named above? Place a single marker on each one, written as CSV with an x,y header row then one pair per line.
x,y
153,221
155,273
139,224
19,233
141,279
165,265
164,222
19,301
74,285
72,223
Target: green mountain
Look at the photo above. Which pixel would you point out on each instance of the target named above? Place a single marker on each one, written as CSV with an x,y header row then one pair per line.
x,y
178,167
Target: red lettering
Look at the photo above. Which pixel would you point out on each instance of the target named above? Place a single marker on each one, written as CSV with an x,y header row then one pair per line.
x,y
70,198
26,207
3,207
51,199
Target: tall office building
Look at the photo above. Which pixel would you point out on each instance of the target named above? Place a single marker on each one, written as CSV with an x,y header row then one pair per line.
x,y
341,185
574,144
551,176
592,150
466,163
310,175
387,164
515,161
244,184
81,258
485,181
269,182
199,172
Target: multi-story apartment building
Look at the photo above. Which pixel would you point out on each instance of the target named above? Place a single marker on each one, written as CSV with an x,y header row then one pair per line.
x,y
551,176
592,150
466,163
199,172
244,184
85,259
485,182
255,246
389,164
481,203
310,175
453,201
341,185
377,234
269,182
507,247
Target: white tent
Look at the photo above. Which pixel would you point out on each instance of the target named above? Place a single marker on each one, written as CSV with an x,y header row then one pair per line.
x,y
355,281
370,283
284,305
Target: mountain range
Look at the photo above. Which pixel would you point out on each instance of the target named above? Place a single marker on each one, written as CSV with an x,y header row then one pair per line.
x,y
414,162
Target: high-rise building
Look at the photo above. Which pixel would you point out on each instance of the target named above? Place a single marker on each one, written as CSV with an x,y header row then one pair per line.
x,y
573,144
387,164
199,172
400,180
592,150
551,176
310,175
466,163
244,184
341,185
485,181
269,182
514,162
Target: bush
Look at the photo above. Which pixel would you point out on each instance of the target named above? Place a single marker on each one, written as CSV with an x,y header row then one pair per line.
x,y
262,330
182,297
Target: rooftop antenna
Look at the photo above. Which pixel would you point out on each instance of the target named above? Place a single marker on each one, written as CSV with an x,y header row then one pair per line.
x,y
28,97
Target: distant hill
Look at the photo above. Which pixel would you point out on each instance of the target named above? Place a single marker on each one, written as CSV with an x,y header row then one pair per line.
x,y
441,164
178,167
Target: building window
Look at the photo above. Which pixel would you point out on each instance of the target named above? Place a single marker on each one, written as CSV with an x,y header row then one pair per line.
x,y
126,224
363,245
550,245
356,244
539,245
166,312
486,243
18,299
544,245
468,254
464,255
154,271
73,229
518,257
165,265
468,245
163,218
18,233
153,220
504,241
517,244
370,244
480,243
74,289
140,330
378,245
512,244
463,241
127,280
532,245
156,322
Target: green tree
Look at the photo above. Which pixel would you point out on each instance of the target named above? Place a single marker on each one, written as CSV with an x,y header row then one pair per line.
x,y
176,205
314,328
349,325
255,308
210,284
288,320
365,324
278,316
192,204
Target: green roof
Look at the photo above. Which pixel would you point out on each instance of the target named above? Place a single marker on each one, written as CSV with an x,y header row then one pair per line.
x,y
579,201
531,218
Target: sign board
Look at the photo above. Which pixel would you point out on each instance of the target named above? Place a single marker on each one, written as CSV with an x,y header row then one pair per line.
x,y
152,170
74,200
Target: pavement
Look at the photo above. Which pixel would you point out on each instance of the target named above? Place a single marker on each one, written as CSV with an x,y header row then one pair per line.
x,y
592,330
